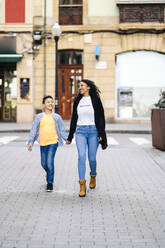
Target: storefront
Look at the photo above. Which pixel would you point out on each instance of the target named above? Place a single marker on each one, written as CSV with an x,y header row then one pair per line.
x,y
139,79
16,72
8,78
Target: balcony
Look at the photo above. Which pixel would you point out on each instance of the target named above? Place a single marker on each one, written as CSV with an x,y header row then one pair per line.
x,y
119,2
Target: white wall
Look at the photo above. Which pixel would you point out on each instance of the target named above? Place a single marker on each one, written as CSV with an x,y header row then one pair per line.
x,y
102,8
141,69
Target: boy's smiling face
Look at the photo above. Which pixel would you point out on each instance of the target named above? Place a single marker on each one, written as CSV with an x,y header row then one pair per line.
x,y
49,104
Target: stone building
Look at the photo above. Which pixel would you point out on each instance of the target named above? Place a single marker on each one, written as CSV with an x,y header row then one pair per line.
x,y
16,60
119,45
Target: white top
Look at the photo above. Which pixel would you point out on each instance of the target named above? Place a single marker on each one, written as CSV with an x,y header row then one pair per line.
x,y
85,112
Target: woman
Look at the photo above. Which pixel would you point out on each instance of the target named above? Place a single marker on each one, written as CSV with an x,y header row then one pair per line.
x,y
88,117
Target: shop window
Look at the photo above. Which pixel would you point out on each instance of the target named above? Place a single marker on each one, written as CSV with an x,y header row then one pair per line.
x,y
15,11
7,45
141,13
70,12
137,85
70,57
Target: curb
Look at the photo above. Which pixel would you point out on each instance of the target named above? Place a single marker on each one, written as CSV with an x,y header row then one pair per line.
x,y
67,130
129,131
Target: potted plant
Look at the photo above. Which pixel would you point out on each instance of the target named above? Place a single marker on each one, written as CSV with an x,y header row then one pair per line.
x,y
158,123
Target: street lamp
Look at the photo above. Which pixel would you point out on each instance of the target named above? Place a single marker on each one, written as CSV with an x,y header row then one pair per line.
x,y
56,31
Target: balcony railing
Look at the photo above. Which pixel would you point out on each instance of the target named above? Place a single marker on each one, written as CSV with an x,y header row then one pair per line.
x,y
140,2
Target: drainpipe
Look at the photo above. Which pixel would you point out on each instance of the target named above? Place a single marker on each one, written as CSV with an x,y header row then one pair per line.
x,y
44,47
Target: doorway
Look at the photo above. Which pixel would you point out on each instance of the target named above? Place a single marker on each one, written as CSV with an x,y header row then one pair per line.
x,y
70,73
8,91
69,79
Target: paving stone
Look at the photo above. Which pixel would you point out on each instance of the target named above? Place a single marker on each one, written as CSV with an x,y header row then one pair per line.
x,y
125,210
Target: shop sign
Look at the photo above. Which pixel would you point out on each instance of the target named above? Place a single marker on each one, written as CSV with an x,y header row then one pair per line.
x,y
101,65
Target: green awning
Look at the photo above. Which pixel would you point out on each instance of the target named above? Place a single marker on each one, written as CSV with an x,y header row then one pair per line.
x,y
10,57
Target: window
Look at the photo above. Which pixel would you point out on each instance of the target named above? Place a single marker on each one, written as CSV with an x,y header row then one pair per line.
x,y
15,11
141,13
70,57
137,84
7,45
70,12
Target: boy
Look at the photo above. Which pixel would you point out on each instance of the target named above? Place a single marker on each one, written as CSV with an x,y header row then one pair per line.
x,y
49,130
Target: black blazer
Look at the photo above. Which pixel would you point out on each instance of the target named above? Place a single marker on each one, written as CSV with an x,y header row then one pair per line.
x,y
99,119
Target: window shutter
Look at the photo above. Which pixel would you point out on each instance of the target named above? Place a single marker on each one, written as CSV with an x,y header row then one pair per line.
x,y
14,11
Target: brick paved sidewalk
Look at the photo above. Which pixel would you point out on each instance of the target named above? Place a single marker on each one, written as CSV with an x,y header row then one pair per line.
x,y
126,210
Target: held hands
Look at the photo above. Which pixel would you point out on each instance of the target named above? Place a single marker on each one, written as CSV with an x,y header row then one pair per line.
x,y
30,147
68,142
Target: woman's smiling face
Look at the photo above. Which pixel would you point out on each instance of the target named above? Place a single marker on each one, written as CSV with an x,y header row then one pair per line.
x,y
84,89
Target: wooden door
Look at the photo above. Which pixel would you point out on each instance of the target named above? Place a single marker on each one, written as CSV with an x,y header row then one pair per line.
x,y
69,79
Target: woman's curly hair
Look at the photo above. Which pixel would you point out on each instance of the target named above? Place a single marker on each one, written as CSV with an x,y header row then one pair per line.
x,y
94,90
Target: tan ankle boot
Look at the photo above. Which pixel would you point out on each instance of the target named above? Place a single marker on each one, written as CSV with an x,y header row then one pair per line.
x,y
82,188
92,183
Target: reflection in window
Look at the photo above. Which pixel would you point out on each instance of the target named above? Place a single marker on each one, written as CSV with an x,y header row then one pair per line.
x,y
138,86
79,71
72,85
78,80
68,57
64,1
70,2
63,57
77,57
77,1
10,94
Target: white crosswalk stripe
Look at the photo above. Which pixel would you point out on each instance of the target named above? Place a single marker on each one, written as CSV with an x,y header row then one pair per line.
x,y
112,141
136,140
7,139
139,140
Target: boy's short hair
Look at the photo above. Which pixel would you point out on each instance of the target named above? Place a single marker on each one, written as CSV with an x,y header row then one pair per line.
x,y
46,97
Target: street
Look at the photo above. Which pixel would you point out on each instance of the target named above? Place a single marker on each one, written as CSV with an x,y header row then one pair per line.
x,y
125,210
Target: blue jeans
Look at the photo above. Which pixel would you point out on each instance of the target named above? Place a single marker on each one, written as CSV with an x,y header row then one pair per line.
x,y
86,136
47,160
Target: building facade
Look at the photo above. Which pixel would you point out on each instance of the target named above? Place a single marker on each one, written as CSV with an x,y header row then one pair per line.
x,y
16,60
120,45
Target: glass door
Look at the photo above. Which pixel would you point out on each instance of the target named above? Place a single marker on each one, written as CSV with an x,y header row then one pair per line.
x,y
8,91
